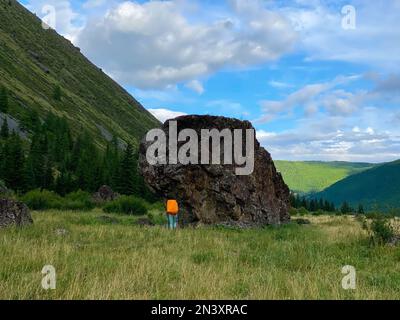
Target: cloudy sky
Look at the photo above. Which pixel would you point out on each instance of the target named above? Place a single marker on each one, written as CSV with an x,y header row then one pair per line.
x,y
319,79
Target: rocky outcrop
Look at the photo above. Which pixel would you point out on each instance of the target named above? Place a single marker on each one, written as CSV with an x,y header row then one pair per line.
x,y
14,213
214,194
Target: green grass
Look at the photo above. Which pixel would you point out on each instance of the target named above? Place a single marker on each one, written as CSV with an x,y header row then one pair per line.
x,y
313,176
97,260
89,98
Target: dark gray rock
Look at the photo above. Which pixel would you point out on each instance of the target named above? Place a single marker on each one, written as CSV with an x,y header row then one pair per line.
x,y
14,213
105,194
302,221
214,194
144,222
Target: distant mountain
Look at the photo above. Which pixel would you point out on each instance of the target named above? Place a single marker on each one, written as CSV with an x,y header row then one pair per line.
x,y
44,72
313,176
378,188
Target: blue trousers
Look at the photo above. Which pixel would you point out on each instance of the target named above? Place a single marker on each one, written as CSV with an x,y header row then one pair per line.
x,y
172,221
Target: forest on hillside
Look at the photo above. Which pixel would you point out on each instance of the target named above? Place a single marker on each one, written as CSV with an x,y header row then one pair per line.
x,y
53,159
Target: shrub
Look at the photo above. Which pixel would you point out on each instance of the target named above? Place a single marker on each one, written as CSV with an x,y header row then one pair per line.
x,y
319,213
293,212
127,205
382,231
303,211
379,228
42,200
78,200
45,200
157,217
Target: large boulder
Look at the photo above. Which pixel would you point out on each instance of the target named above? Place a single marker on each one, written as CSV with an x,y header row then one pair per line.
x,y
213,194
13,212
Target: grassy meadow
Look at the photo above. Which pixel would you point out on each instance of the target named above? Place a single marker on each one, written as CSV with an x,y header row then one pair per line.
x,y
95,259
314,176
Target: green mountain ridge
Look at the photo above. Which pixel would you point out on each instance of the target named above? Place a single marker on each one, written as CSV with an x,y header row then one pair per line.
x,y
306,177
376,188
35,63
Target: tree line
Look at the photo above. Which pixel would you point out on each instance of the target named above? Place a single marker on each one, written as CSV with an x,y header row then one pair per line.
x,y
314,205
53,159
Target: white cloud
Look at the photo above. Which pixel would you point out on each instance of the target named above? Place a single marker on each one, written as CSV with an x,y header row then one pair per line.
x,y
196,86
331,146
165,114
368,135
374,42
312,97
90,4
155,44
279,84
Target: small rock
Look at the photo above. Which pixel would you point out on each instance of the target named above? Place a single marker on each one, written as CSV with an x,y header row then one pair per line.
x,y
144,222
61,232
105,194
13,212
302,221
394,241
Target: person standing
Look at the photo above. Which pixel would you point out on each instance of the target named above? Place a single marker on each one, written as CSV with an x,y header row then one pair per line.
x,y
172,214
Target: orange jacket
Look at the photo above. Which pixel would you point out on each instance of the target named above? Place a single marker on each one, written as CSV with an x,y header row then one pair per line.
x,y
172,207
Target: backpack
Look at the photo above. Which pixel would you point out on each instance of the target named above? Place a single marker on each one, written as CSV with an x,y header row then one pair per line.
x,y
172,207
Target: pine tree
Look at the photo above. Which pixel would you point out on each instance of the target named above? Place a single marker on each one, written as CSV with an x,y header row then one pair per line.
x,y
345,208
88,168
39,165
128,182
14,162
3,100
304,203
292,200
321,204
360,209
64,183
312,206
298,201
4,131
111,163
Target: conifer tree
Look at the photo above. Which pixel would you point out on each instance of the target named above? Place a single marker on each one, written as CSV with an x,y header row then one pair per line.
x,y
14,162
88,164
4,131
345,208
127,183
111,164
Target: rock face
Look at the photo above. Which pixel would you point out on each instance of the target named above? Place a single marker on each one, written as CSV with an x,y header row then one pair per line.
x,y
14,213
212,194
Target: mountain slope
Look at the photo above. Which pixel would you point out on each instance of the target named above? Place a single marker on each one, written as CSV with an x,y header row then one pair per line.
x,y
313,176
35,61
378,187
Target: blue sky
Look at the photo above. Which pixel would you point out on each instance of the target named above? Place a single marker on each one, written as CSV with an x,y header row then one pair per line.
x,y
319,81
